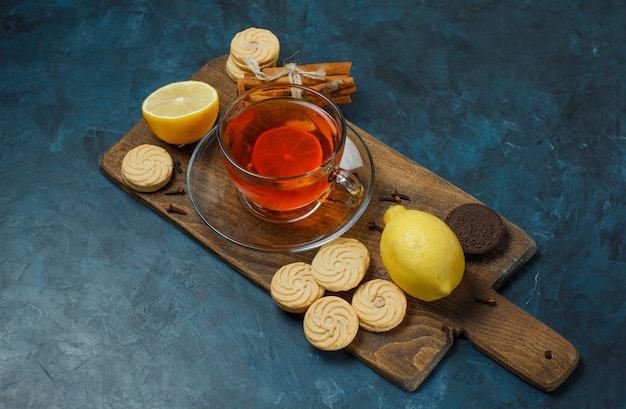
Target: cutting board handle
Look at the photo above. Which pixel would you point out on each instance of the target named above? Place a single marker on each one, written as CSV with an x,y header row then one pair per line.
x,y
520,342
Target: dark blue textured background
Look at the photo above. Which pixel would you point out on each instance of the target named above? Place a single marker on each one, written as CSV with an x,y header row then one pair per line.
x,y
103,304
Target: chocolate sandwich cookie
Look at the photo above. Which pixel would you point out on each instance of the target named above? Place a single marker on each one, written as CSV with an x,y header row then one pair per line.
x,y
479,229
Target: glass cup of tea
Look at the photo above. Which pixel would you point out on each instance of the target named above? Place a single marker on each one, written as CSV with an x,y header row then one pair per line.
x,y
281,145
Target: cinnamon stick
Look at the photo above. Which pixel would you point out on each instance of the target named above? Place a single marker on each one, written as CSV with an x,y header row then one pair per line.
x,y
335,97
250,81
328,87
331,68
337,84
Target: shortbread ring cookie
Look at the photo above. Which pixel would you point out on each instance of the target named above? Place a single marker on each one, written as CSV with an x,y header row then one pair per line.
x,y
257,43
330,323
233,70
380,305
293,287
147,168
341,264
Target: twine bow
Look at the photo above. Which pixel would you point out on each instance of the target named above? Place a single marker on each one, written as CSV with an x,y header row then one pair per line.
x,y
291,70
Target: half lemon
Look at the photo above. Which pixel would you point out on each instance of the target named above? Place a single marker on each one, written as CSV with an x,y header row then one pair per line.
x,y
181,112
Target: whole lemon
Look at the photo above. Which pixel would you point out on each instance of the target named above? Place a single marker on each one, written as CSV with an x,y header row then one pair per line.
x,y
421,253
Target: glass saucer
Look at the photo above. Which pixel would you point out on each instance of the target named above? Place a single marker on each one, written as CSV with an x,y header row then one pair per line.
x,y
216,200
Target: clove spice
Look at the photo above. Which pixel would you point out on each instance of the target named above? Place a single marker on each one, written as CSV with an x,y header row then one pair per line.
x,y
394,193
490,301
394,199
175,191
170,208
395,196
178,168
374,226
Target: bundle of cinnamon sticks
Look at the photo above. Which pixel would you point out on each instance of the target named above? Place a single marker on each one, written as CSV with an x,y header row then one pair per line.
x,y
336,85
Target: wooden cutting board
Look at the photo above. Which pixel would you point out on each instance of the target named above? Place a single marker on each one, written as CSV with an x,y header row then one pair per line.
x,y
406,355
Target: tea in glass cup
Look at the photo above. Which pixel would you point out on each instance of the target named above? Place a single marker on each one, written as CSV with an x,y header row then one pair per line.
x,y
281,145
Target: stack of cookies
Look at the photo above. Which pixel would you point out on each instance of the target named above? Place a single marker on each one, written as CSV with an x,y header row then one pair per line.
x,y
254,43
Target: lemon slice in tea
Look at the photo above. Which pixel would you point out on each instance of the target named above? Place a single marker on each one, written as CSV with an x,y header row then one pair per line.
x,y
286,151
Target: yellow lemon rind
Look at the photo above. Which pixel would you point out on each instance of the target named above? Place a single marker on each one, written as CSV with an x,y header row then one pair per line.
x,y
421,254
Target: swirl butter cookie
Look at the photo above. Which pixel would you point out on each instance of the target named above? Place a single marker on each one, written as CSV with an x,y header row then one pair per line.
x,y
341,264
380,305
147,168
233,70
293,288
258,43
330,323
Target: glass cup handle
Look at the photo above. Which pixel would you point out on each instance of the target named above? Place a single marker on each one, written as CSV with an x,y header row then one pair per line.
x,y
346,188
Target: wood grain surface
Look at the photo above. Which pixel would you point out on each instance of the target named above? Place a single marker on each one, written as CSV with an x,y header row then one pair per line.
x,y
406,355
